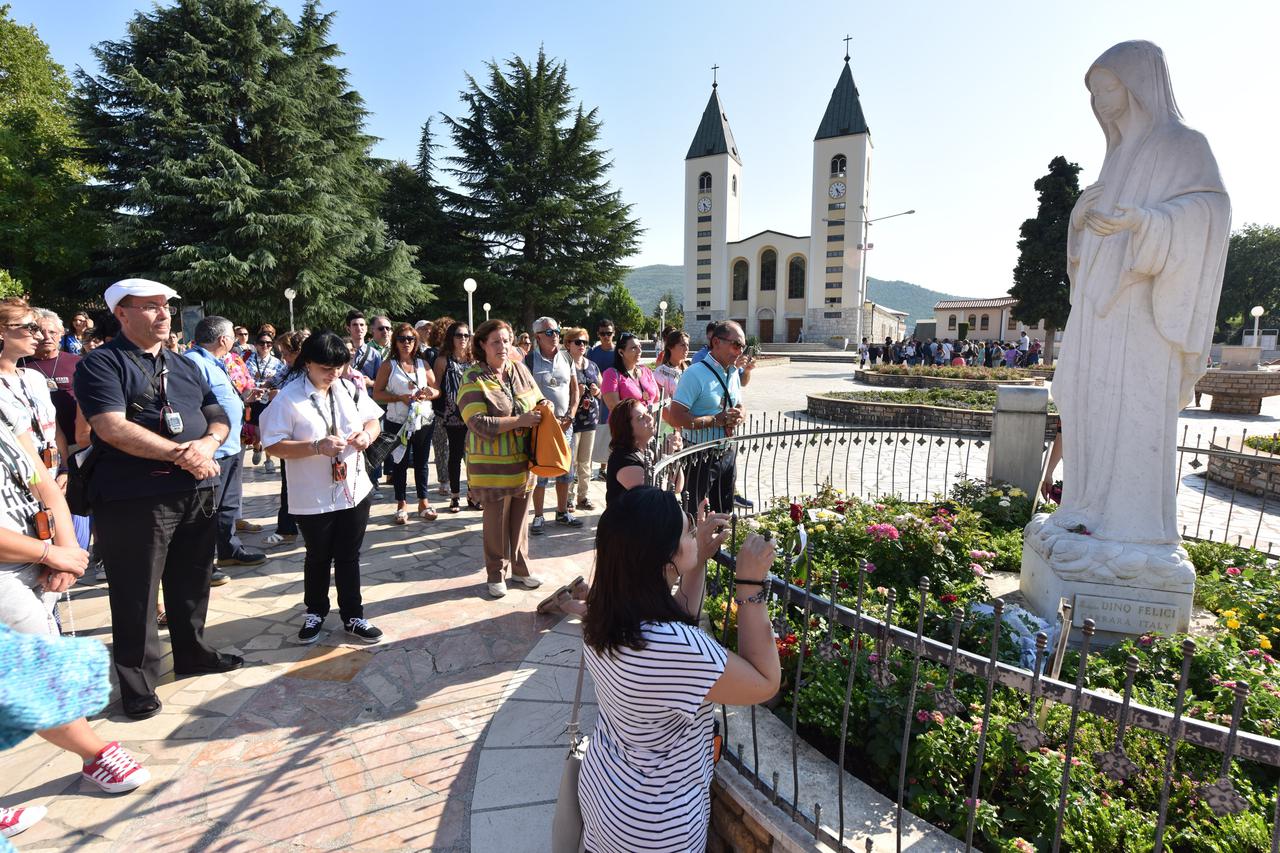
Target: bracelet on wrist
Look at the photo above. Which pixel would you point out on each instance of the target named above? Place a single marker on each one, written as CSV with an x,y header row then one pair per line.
x,y
760,596
741,581
44,555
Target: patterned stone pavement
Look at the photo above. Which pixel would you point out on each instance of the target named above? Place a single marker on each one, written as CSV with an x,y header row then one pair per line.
x,y
332,746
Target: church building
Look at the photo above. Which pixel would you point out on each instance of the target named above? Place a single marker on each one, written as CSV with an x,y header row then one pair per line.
x,y
779,286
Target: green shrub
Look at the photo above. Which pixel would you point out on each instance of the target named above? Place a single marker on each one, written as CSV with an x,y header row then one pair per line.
x,y
951,372
952,398
1265,443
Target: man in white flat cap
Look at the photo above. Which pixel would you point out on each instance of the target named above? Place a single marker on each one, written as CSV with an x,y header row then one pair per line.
x,y
156,424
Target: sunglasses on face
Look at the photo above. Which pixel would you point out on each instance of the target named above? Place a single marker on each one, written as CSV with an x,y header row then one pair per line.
x,y
407,339
578,343
462,334
265,342
382,328
731,342
605,333
550,333
29,328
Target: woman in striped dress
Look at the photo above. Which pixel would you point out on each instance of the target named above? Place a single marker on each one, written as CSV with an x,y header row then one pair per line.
x,y
645,783
496,400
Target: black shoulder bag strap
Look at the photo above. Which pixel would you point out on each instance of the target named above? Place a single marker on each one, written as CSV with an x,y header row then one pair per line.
x,y
726,403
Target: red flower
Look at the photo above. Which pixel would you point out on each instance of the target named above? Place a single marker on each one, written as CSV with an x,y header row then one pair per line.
x,y
797,512
840,507
947,599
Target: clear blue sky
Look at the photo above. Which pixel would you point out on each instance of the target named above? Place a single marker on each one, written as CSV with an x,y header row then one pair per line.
x,y
967,103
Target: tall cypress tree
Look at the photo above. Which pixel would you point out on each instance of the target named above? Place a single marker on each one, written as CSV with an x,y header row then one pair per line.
x,y
237,165
419,211
535,190
1040,279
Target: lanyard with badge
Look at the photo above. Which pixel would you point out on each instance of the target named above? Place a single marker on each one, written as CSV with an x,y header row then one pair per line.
x,y
41,519
49,456
170,418
338,467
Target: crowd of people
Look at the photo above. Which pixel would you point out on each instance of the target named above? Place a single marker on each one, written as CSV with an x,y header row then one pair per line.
x,y
939,352
125,444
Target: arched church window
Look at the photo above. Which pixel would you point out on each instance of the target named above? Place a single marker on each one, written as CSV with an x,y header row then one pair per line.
x,y
973,321
735,184
986,322
838,164
768,270
740,281
795,278
951,321
704,182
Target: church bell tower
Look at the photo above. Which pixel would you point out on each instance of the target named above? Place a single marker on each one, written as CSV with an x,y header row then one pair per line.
x,y
712,213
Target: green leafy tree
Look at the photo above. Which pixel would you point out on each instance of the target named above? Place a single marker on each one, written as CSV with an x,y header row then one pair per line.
x,y
236,164
1040,281
1252,275
621,307
46,231
419,211
534,189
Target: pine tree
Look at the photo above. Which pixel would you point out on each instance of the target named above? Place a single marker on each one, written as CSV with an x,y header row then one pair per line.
x,y
1040,281
535,190
46,232
234,152
418,211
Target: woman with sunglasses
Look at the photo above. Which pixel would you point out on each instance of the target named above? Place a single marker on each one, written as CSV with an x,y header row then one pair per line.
x,y
429,349
628,379
25,390
645,782
321,426
407,386
450,368
267,372
290,345
587,417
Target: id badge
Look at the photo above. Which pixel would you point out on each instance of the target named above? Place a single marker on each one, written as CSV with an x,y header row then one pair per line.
x,y
339,471
172,420
50,458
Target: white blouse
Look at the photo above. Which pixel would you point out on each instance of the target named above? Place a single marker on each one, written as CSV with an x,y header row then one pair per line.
x,y
300,412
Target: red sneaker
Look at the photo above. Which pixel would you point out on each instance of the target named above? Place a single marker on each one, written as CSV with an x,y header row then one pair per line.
x,y
115,771
13,821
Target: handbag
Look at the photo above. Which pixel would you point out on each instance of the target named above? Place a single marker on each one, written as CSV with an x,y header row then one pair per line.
x,y
377,452
79,470
566,827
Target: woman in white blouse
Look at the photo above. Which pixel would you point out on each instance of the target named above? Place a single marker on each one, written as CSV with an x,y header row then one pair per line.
x,y
322,427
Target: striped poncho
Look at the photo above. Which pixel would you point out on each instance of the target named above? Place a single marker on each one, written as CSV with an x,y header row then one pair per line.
x,y
497,463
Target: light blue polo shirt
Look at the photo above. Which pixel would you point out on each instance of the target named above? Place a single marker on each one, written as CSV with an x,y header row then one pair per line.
x,y
216,375
701,392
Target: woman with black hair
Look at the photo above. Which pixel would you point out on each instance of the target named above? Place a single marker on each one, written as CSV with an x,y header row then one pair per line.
x,y
322,427
628,379
645,782
630,461
452,362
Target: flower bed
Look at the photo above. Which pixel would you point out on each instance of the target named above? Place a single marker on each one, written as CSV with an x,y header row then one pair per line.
x,y
919,376
874,548
933,408
1265,443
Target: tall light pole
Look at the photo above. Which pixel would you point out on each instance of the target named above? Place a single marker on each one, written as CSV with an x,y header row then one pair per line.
x,y
470,287
486,308
1257,313
662,308
290,294
862,263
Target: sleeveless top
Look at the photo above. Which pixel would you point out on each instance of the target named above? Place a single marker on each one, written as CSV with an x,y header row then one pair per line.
x,y
451,381
400,382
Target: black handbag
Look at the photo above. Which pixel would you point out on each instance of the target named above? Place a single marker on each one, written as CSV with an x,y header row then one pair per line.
x,y
79,471
375,454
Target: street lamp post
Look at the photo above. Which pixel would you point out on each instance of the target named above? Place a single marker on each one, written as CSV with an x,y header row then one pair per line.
x,y
862,263
486,308
290,294
662,308
1257,313
470,287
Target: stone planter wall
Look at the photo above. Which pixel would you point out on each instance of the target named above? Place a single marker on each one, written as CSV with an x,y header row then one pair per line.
x,y
904,416
733,830
1238,392
891,380
1260,477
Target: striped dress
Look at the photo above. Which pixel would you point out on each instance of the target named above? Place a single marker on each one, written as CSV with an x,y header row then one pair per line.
x,y
645,782
497,465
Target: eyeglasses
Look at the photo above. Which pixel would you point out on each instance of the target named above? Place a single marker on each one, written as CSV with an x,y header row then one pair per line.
x,y
605,333
382,328
407,339
550,333
265,342
578,343
29,328
462,334
733,343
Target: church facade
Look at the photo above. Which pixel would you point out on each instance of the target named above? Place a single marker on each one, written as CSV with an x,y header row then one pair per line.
x,y
779,287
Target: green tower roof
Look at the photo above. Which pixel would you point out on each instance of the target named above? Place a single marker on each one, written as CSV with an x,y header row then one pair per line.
x,y
713,135
844,112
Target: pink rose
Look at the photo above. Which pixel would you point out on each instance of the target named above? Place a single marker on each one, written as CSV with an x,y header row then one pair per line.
x,y
1232,571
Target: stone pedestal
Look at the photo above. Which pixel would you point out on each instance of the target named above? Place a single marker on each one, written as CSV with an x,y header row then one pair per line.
x,y
1017,436
1125,589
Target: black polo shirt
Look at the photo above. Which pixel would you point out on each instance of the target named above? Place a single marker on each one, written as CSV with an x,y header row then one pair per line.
x,y
106,380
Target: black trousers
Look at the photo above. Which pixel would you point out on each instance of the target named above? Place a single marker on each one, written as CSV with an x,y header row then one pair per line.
x,y
333,540
416,455
143,541
286,525
711,476
457,450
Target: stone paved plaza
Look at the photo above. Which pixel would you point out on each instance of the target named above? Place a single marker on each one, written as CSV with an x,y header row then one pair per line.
x,y
437,739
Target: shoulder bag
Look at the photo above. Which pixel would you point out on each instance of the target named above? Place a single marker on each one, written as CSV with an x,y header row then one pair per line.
x,y
566,827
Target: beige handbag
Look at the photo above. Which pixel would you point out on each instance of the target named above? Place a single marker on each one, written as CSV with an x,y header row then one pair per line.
x,y
566,826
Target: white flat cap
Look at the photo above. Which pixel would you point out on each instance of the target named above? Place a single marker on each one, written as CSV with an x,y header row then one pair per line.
x,y
421,323
136,287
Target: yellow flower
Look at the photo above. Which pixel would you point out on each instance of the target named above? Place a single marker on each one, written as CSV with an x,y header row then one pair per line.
x,y
1233,624
1264,643
1017,493
998,493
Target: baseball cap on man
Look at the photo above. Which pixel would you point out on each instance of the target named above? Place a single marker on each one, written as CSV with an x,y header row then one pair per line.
x,y
136,287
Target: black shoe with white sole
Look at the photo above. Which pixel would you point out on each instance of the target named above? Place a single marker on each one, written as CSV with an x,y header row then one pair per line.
x,y
363,631
310,629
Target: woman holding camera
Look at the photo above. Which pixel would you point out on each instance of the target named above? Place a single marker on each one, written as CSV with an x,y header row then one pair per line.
x,y
321,426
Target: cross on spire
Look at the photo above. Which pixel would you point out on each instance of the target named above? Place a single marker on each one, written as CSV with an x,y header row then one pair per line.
x,y
714,75
847,39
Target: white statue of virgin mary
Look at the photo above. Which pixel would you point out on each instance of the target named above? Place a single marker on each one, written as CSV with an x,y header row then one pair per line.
x,y
1145,254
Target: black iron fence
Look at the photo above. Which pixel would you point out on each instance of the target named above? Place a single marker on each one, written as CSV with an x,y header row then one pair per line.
x,y
789,457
